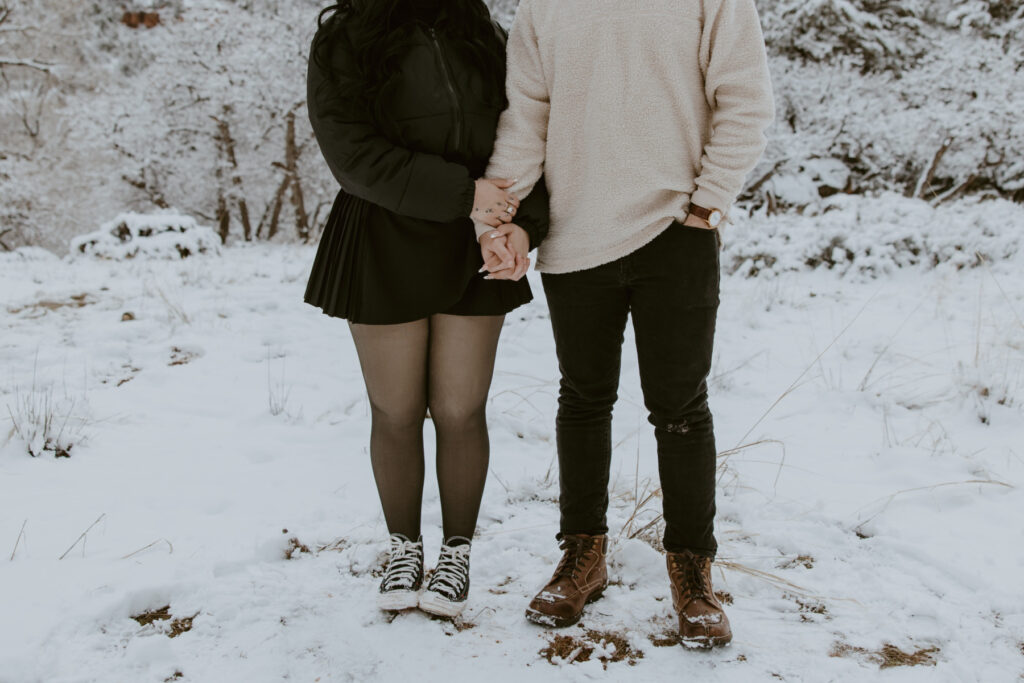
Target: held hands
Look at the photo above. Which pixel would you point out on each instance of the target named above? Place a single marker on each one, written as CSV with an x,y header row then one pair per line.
x,y
692,221
492,204
505,252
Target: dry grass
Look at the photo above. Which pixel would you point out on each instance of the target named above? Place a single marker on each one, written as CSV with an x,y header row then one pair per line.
x,y
888,656
605,646
45,423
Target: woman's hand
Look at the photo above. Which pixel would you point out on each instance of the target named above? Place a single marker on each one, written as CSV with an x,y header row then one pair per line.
x,y
496,247
492,205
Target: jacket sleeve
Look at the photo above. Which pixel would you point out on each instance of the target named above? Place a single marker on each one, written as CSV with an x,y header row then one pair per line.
x,y
521,143
369,165
738,89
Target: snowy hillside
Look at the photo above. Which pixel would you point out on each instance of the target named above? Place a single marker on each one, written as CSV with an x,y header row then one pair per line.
x,y
198,106
216,521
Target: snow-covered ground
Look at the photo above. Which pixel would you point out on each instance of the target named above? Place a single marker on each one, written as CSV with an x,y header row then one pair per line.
x,y
870,498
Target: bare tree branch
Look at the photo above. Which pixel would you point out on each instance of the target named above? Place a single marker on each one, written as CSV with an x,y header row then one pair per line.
x,y
27,63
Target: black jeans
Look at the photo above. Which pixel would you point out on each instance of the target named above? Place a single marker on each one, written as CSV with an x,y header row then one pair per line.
x,y
670,286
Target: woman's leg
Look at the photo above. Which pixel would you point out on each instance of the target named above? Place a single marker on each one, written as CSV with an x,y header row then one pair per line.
x,y
462,350
394,363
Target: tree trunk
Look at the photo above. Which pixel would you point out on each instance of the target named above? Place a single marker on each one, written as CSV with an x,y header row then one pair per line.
x,y
291,162
227,142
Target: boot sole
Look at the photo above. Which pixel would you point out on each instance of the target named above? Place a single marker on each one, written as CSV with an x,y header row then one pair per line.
x,y
551,621
705,643
437,605
396,601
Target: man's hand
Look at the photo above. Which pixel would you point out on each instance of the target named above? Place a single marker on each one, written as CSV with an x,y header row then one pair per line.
x,y
496,247
492,205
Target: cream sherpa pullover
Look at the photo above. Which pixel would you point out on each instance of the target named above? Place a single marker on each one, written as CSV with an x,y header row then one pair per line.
x,y
631,109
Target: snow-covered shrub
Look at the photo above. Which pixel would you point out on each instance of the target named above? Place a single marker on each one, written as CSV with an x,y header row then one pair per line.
x,y
873,35
866,239
133,235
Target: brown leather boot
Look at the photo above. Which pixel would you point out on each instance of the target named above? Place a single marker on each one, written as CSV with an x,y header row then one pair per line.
x,y
702,621
580,578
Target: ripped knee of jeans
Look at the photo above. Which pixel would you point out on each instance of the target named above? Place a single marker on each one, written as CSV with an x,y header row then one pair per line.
x,y
681,427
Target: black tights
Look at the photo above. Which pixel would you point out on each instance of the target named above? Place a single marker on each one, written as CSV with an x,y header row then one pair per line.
x,y
443,363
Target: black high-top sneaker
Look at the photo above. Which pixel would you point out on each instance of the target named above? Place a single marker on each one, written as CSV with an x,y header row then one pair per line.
x,y
448,588
403,578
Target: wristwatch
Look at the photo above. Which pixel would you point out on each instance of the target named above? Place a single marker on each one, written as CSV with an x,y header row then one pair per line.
x,y
714,217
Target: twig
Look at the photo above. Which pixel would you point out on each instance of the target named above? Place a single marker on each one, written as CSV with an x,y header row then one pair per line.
x,y
955,192
932,487
754,187
18,540
926,180
169,545
98,519
27,63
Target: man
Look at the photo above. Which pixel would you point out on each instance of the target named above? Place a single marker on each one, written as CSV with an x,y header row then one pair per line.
x,y
645,118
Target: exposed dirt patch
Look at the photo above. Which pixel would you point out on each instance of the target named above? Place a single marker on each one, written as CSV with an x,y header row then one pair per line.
x,y
295,546
40,308
887,656
181,356
130,372
664,639
174,627
500,588
604,646
177,675
453,625
724,597
810,610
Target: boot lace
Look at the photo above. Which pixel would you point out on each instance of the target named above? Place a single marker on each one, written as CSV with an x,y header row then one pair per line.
x,y
405,564
690,573
574,550
451,576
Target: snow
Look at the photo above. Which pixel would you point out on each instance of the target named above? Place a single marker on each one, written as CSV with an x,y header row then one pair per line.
x,y
870,489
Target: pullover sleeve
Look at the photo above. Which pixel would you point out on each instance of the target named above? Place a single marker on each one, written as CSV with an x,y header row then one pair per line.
x,y
521,142
738,89
365,162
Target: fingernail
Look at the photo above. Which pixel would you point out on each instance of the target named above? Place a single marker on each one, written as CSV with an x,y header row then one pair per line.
x,y
488,277
495,234
482,269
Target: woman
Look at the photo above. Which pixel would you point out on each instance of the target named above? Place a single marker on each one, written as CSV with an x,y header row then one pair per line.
x,y
404,98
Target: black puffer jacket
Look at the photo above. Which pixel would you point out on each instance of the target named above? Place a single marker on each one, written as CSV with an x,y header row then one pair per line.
x,y
407,181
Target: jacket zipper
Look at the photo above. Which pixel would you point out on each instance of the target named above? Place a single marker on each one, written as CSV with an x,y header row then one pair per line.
x,y
451,89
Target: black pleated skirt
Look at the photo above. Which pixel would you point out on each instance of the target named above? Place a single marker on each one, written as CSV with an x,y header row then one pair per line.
x,y
375,267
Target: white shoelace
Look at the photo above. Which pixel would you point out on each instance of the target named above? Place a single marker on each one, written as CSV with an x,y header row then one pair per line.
x,y
452,572
404,565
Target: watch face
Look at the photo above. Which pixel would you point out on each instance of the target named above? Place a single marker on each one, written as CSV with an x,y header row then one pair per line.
x,y
715,218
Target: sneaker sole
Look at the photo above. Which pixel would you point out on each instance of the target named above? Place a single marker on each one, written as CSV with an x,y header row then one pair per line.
x,y
396,601
551,621
431,603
